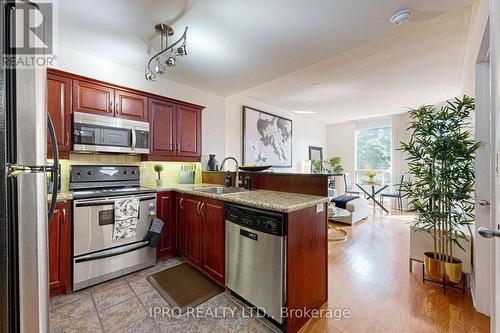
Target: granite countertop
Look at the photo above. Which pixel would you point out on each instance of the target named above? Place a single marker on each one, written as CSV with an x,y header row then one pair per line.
x,y
282,202
277,173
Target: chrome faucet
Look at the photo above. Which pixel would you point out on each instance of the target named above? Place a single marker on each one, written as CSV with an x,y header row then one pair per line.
x,y
237,182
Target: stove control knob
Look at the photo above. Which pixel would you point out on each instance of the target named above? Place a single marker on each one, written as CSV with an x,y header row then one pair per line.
x,y
78,173
89,173
133,172
125,172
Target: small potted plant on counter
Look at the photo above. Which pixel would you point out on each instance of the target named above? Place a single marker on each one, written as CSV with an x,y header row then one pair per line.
x,y
158,168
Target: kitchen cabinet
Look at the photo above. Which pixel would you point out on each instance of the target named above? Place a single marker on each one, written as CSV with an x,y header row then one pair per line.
x,y
192,232
131,106
164,205
60,250
175,131
213,240
175,126
203,220
188,131
59,109
93,98
162,128
179,225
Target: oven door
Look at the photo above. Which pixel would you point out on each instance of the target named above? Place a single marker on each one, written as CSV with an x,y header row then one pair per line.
x,y
93,224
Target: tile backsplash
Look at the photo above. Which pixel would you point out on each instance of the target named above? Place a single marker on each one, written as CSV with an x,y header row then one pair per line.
x,y
170,174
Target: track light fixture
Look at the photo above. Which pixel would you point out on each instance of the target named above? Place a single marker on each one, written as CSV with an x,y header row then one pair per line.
x,y
156,65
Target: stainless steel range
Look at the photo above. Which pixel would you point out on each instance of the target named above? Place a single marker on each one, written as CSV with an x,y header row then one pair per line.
x,y
98,257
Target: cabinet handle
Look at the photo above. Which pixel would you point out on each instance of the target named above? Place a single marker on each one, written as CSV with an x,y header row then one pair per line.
x,y
64,215
111,107
116,107
198,208
180,203
67,137
202,207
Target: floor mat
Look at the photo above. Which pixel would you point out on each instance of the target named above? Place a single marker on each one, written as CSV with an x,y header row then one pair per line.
x,y
183,286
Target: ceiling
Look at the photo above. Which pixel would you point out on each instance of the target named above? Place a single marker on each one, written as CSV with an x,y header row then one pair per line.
x,y
420,65
236,45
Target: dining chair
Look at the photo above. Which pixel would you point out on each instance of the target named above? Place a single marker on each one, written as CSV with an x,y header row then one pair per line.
x,y
348,185
396,195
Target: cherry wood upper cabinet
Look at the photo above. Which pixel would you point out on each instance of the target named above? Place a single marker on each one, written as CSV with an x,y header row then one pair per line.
x,y
59,109
60,250
162,127
188,131
93,98
131,106
213,231
165,213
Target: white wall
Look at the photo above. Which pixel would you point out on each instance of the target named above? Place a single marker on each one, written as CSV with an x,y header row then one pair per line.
x,y
477,25
305,132
213,115
341,142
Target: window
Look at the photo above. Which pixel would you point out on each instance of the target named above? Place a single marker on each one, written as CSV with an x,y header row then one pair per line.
x,y
373,153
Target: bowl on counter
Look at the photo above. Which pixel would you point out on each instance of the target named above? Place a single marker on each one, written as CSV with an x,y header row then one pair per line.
x,y
255,167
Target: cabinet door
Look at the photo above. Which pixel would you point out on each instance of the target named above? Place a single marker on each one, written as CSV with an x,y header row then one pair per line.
x,y
131,106
164,212
59,109
179,224
213,232
93,98
162,128
192,232
188,131
60,250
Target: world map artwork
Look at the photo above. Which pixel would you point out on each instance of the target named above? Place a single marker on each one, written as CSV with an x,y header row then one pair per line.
x,y
267,139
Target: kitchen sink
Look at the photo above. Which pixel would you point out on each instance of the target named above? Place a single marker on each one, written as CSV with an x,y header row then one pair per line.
x,y
223,190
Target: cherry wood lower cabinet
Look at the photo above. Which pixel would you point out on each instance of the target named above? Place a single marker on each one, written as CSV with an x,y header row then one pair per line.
x,y
213,238
306,263
201,232
165,212
179,225
60,250
192,232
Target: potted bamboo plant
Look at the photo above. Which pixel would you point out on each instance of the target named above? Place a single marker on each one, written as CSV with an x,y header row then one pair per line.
x,y
440,155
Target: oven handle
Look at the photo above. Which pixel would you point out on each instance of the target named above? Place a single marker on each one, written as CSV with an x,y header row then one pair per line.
x,y
106,202
111,252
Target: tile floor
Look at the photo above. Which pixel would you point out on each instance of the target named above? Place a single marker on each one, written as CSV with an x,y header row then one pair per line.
x,y
127,304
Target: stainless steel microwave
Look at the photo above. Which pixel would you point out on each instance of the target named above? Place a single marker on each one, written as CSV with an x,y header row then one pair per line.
x,y
94,133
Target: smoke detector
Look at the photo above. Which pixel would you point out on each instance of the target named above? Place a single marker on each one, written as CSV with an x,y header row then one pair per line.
x,y
401,17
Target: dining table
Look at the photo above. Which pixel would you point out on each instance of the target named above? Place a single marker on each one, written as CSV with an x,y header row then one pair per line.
x,y
371,190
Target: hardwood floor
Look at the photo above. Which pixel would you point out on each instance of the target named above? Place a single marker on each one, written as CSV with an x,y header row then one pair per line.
x,y
368,275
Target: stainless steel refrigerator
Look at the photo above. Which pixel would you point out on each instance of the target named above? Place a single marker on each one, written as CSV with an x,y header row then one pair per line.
x,y
24,293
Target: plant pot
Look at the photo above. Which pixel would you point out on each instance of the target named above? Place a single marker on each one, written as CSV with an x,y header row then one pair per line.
x,y
453,270
159,182
433,267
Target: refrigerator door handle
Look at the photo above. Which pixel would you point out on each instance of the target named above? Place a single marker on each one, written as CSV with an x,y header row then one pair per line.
x,y
55,168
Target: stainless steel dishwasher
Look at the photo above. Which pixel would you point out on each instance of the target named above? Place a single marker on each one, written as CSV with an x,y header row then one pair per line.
x,y
255,258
